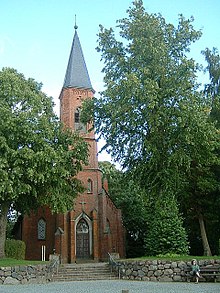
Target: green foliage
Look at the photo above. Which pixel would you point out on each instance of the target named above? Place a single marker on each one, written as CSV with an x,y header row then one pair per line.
x,y
39,157
143,78
9,229
156,122
36,164
152,115
213,89
170,255
175,257
131,199
166,234
202,192
15,249
213,67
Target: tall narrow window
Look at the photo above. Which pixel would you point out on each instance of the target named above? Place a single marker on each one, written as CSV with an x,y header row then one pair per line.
x,y
76,118
41,229
107,228
77,123
89,189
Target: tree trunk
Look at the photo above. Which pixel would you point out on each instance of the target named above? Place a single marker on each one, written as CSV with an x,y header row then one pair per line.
x,y
3,224
205,243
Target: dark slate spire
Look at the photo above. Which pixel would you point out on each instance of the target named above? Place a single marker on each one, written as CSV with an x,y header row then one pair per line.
x,y
76,72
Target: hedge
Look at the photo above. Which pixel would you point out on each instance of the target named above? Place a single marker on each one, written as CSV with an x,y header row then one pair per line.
x,y
15,249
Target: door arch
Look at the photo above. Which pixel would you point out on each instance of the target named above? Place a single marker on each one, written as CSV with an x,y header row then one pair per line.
x,y
82,239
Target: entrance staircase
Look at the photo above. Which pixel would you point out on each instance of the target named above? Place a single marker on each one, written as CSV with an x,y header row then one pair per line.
x,y
84,272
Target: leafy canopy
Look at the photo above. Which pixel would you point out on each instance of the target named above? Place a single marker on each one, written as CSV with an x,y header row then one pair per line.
x,y
37,164
151,114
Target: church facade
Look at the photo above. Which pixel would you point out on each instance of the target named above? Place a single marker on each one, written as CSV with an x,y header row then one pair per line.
x,y
93,228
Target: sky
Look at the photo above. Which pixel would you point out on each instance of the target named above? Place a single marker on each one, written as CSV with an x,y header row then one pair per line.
x,y
36,35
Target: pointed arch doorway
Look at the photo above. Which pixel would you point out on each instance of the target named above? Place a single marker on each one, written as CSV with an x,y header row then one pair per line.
x,y
83,242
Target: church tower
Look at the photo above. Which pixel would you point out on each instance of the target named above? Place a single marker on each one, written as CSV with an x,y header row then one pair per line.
x,y
93,227
76,88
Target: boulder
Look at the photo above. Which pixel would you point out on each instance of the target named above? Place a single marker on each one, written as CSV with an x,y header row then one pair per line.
x,y
11,281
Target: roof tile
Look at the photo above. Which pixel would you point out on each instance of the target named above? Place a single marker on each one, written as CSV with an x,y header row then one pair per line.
x,y
77,73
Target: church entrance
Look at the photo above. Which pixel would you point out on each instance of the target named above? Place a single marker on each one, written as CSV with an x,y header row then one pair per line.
x,y
82,240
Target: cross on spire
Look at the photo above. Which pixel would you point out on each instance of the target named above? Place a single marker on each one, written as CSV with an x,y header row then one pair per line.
x,y
75,26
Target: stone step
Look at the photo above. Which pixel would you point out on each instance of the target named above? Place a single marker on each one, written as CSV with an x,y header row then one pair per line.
x,y
82,278
67,273
83,272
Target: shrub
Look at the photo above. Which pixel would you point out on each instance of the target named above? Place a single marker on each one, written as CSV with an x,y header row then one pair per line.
x,y
15,249
166,233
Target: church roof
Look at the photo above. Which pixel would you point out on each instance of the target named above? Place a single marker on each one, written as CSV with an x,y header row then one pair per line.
x,y
76,72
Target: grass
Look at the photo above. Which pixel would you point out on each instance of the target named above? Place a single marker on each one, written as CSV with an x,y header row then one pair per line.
x,y
9,262
172,258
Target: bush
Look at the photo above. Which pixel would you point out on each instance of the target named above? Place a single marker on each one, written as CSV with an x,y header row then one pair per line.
x,y
170,255
15,249
166,233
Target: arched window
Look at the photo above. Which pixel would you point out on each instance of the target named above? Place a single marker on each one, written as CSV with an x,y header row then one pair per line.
x,y
78,125
107,228
76,116
41,229
82,227
89,186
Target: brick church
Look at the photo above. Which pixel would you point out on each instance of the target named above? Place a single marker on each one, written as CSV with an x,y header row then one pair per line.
x,y
94,226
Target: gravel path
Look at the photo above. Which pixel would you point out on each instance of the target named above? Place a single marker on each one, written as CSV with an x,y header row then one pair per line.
x,y
112,287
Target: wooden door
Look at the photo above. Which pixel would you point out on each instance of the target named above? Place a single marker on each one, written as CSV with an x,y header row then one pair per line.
x,y
82,240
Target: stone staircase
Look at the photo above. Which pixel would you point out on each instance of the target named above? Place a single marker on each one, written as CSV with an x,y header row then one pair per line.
x,y
84,272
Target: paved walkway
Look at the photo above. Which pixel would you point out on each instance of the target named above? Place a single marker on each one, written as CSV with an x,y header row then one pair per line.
x,y
113,287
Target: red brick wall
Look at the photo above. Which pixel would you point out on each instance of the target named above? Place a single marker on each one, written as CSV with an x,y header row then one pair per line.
x,y
113,237
29,233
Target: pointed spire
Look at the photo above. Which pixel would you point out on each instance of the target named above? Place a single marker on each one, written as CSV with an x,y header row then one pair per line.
x,y
76,72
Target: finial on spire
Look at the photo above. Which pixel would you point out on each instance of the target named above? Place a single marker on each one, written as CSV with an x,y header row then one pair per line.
x,y
75,26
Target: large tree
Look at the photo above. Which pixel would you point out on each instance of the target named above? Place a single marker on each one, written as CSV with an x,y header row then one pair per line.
x,y
153,117
202,193
39,158
212,90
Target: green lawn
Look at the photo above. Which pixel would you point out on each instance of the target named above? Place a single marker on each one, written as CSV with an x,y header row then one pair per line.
x,y
9,262
173,258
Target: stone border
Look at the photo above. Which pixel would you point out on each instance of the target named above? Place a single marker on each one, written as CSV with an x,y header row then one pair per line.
x,y
158,270
150,270
32,274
